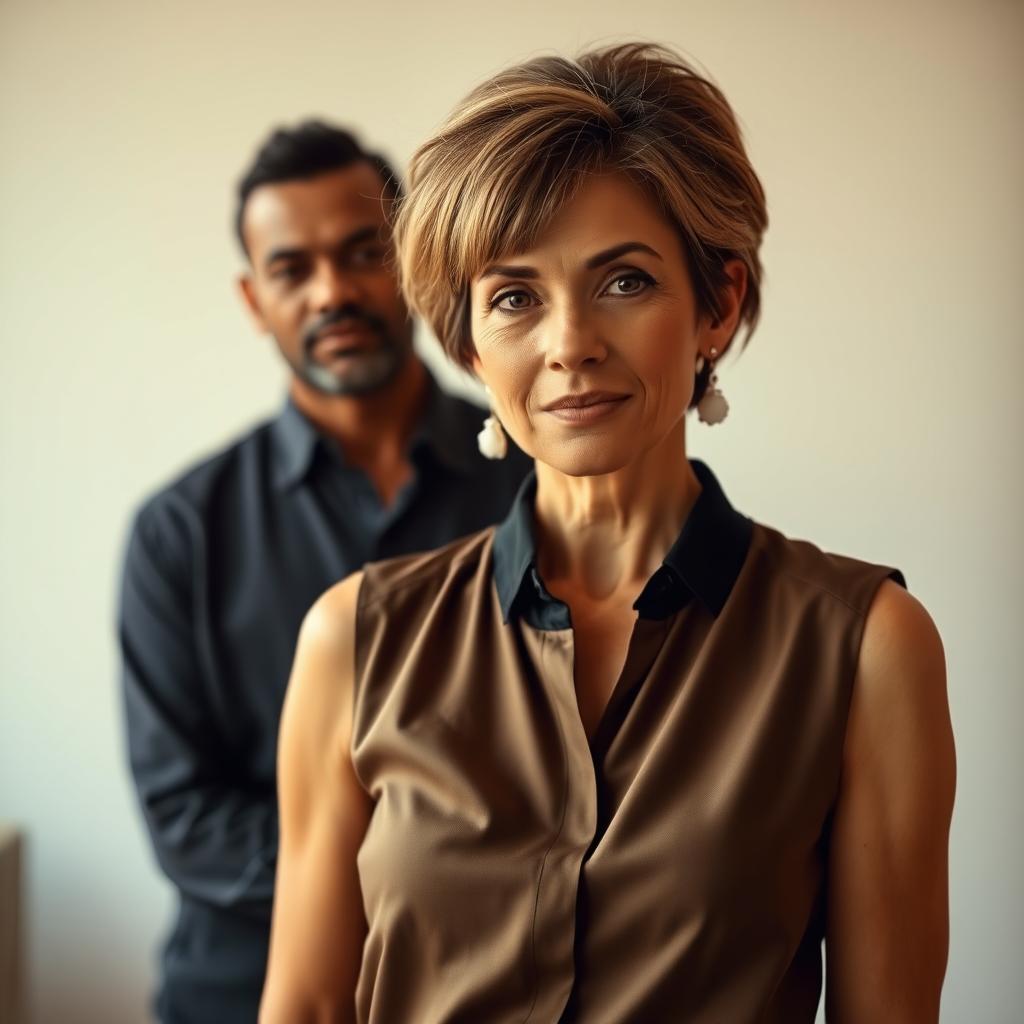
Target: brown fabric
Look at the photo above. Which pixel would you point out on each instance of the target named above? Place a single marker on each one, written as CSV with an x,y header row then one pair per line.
x,y
669,870
11,925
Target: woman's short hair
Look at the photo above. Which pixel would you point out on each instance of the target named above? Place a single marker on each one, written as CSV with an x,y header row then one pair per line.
x,y
511,155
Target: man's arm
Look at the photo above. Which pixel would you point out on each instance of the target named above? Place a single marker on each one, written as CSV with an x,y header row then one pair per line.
x,y
316,942
888,905
214,840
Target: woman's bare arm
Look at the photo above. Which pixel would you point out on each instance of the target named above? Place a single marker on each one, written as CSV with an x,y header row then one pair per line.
x,y
318,926
888,906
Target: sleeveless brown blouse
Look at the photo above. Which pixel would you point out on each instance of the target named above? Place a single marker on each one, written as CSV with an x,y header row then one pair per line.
x,y
670,868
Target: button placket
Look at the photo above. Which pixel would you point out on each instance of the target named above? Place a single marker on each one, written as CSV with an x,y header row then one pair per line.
x,y
557,897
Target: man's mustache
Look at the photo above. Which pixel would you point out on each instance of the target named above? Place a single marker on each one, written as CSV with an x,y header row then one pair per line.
x,y
343,315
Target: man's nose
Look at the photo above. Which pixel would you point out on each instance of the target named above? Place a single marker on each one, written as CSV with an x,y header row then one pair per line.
x,y
573,341
332,287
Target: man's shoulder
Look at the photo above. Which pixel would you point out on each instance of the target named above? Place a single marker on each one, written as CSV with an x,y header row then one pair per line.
x,y
194,490
508,472
505,474
471,410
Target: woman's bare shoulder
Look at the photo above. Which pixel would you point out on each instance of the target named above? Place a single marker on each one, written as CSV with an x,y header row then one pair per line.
x,y
318,927
899,733
318,701
330,622
888,919
900,638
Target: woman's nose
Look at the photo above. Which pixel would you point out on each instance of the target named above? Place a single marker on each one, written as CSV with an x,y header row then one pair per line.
x,y
573,341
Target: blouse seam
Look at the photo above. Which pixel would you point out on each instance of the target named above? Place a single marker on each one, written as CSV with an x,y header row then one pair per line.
x,y
825,590
857,610
544,860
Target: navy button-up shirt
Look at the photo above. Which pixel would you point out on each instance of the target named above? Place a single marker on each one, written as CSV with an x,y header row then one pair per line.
x,y
221,567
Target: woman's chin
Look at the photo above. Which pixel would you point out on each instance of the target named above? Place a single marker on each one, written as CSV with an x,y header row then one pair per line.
x,y
587,458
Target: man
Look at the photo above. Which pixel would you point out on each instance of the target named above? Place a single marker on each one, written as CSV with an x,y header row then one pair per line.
x,y
368,459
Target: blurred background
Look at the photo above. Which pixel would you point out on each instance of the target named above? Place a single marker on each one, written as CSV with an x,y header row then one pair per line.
x,y
876,412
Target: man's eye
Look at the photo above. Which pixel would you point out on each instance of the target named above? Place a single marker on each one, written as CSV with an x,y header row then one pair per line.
x,y
512,302
285,272
629,284
368,256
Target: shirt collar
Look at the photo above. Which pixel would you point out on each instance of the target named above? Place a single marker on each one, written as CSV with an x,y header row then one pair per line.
x,y
704,561
514,547
712,546
294,443
446,431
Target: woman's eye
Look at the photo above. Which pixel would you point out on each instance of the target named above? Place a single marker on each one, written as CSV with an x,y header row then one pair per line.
x,y
629,284
513,302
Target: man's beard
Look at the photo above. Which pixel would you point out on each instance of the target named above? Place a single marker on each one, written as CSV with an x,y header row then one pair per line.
x,y
362,372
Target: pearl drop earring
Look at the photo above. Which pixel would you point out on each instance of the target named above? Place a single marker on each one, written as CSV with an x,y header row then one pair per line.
x,y
491,440
712,408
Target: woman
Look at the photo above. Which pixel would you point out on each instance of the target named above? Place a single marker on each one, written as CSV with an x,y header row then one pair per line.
x,y
630,756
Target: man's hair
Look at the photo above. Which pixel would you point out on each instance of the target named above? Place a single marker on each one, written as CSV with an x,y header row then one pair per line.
x,y
306,151
521,144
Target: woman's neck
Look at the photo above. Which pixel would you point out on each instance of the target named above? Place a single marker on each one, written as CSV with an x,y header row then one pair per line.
x,y
601,537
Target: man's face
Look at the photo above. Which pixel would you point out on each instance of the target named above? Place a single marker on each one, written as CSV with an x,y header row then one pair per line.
x,y
322,280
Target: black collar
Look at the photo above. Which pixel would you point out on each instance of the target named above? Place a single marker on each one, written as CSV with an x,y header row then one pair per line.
x,y
294,442
446,433
704,561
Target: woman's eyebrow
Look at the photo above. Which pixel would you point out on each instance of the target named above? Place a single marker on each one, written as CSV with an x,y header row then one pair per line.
x,y
597,260
505,270
607,255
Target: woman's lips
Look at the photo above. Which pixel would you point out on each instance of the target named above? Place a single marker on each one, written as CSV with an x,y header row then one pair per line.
x,y
589,410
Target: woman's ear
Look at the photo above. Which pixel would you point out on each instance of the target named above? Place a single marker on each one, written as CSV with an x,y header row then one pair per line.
x,y
720,329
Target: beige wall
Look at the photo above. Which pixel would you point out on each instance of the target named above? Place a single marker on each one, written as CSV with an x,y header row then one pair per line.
x,y
877,411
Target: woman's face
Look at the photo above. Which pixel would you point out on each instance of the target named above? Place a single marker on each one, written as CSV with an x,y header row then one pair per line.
x,y
588,342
